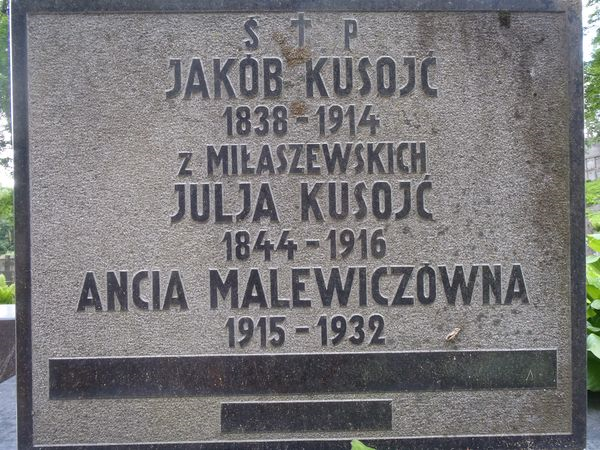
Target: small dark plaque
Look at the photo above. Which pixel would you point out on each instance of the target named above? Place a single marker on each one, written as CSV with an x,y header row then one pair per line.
x,y
289,224
277,417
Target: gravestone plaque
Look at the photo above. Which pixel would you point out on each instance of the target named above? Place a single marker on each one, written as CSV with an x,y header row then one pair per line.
x,y
290,224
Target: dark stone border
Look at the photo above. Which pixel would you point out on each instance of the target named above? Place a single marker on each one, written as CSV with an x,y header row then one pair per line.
x,y
19,11
177,6
20,136
577,242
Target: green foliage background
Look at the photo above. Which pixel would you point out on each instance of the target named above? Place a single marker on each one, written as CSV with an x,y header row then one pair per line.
x,y
593,314
591,82
5,161
7,243
592,198
357,445
7,291
6,195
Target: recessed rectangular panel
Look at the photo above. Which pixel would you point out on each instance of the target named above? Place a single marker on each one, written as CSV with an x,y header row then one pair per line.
x,y
277,417
285,204
286,374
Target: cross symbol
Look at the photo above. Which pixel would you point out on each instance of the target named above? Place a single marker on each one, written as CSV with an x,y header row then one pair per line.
x,y
301,23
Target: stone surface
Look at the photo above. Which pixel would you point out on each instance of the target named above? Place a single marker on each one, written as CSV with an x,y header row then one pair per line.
x,y
7,349
494,115
8,414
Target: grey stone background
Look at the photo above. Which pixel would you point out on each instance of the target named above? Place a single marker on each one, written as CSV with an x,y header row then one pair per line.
x,y
117,141
500,121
